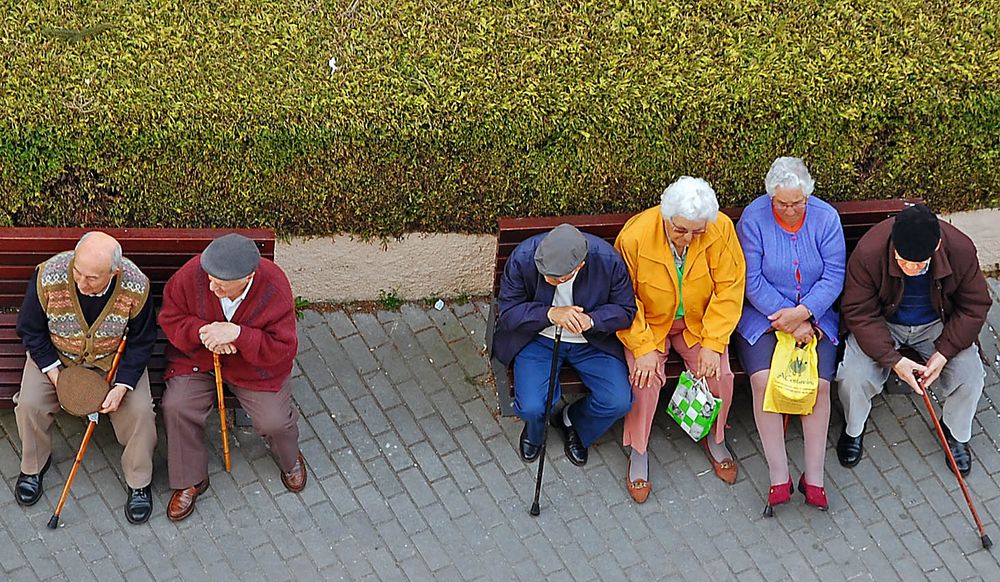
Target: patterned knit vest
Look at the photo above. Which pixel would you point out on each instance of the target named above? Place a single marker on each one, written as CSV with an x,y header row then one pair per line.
x,y
74,340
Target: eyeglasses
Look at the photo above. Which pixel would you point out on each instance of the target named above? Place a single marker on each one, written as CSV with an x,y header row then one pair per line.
x,y
685,232
789,205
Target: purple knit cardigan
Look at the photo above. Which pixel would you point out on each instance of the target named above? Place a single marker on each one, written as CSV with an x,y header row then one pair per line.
x,y
772,255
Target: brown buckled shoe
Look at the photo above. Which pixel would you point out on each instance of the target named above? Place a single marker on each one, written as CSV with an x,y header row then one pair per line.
x,y
295,479
724,469
182,501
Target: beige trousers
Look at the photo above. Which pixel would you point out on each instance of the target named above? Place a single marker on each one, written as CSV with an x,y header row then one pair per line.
x,y
134,423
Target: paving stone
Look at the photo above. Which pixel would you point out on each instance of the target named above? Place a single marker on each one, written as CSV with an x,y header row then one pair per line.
x,y
382,389
420,492
401,449
415,317
451,411
416,400
431,551
340,323
392,363
407,514
370,328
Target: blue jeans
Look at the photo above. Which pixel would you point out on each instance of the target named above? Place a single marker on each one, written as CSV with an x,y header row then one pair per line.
x,y
606,376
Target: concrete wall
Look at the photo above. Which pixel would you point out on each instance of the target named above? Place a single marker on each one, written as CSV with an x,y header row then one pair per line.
x,y
446,265
418,266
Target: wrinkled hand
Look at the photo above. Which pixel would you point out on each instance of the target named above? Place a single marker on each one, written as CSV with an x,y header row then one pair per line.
x,y
789,318
225,349
114,399
935,364
908,370
53,375
804,333
644,372
571,317
218,334
709,364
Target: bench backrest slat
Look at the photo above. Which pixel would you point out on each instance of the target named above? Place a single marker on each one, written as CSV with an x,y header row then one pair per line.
x,y
857,216
159,252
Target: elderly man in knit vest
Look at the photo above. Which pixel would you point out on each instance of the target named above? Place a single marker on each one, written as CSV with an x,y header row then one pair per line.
x,y
231,302
79,306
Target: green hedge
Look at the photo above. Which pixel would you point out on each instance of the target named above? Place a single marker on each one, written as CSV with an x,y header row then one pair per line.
x,y
445,114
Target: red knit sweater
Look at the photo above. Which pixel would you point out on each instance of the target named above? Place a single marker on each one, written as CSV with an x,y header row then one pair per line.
x,y
267,344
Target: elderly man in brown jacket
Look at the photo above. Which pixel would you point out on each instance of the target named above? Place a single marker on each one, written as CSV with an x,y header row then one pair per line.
x,y
913,281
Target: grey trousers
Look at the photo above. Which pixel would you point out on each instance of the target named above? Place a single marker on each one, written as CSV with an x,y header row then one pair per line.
x,y
134,423
186,404
860,378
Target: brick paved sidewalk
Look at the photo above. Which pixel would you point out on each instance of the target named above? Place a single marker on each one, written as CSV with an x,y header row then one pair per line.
x,y
412,477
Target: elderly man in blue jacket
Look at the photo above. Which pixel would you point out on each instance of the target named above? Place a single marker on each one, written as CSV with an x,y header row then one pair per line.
x,y
578,282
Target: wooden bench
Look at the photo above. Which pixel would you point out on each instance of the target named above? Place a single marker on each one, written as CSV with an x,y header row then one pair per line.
x,y
856,217
159,252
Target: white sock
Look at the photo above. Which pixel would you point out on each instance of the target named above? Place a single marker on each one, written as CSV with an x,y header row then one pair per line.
x,y
565,416
638,466
718,451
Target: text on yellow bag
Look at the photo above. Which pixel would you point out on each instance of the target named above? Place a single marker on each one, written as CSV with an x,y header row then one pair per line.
x,y
794,377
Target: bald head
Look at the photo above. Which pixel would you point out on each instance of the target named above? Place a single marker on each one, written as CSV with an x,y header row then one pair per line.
x,y
98,258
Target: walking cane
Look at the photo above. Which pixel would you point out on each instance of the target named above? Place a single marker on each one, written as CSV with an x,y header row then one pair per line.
x,y
222,409
54,520
534,511
987,542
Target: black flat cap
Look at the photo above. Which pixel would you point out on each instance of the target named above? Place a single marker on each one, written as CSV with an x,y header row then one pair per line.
x,y
230,257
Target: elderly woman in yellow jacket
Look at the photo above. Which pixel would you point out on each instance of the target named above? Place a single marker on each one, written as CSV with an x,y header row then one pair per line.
x,y
688,273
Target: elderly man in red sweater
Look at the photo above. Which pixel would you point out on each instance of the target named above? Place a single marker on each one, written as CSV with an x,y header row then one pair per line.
x,y
231,302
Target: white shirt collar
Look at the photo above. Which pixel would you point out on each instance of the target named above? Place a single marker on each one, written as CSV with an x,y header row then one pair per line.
x,y
229,306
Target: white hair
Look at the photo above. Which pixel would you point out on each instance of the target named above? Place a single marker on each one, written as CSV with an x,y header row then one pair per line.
x,y
788,172
692,198
116,251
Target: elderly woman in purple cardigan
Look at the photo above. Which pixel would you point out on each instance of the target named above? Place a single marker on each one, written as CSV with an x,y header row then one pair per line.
x,y
795,255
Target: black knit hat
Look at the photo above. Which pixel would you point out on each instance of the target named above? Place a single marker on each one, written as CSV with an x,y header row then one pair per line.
x,y
916,233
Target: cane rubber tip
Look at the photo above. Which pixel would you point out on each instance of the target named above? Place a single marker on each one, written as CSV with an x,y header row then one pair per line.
x,y
534,511
987,542
54,521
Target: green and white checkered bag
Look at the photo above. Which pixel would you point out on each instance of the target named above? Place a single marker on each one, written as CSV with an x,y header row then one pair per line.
x,y
693,406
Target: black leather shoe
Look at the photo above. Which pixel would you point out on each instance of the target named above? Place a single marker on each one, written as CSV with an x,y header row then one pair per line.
x,y
850,449
575,451
958,450
139,505
529,451
29,487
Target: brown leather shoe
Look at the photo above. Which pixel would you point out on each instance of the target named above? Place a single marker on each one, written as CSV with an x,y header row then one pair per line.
x,y
724,469
638,489
295,479
182,501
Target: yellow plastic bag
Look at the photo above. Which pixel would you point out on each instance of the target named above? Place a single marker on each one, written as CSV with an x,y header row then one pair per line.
x,y
794,378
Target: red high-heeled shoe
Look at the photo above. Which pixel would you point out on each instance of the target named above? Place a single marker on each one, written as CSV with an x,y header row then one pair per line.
x,y
815,496
777,495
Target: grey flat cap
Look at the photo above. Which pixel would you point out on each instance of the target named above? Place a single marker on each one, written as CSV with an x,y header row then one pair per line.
x,y
230,257
561,251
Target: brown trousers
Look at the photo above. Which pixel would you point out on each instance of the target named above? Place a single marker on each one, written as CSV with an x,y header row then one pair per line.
x,y
186,404
134,423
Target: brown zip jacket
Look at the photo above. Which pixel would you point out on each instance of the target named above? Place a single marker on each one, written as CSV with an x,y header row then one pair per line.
x,y
874,288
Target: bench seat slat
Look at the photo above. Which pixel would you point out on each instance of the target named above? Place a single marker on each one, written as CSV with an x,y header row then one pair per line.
x,y
856,216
